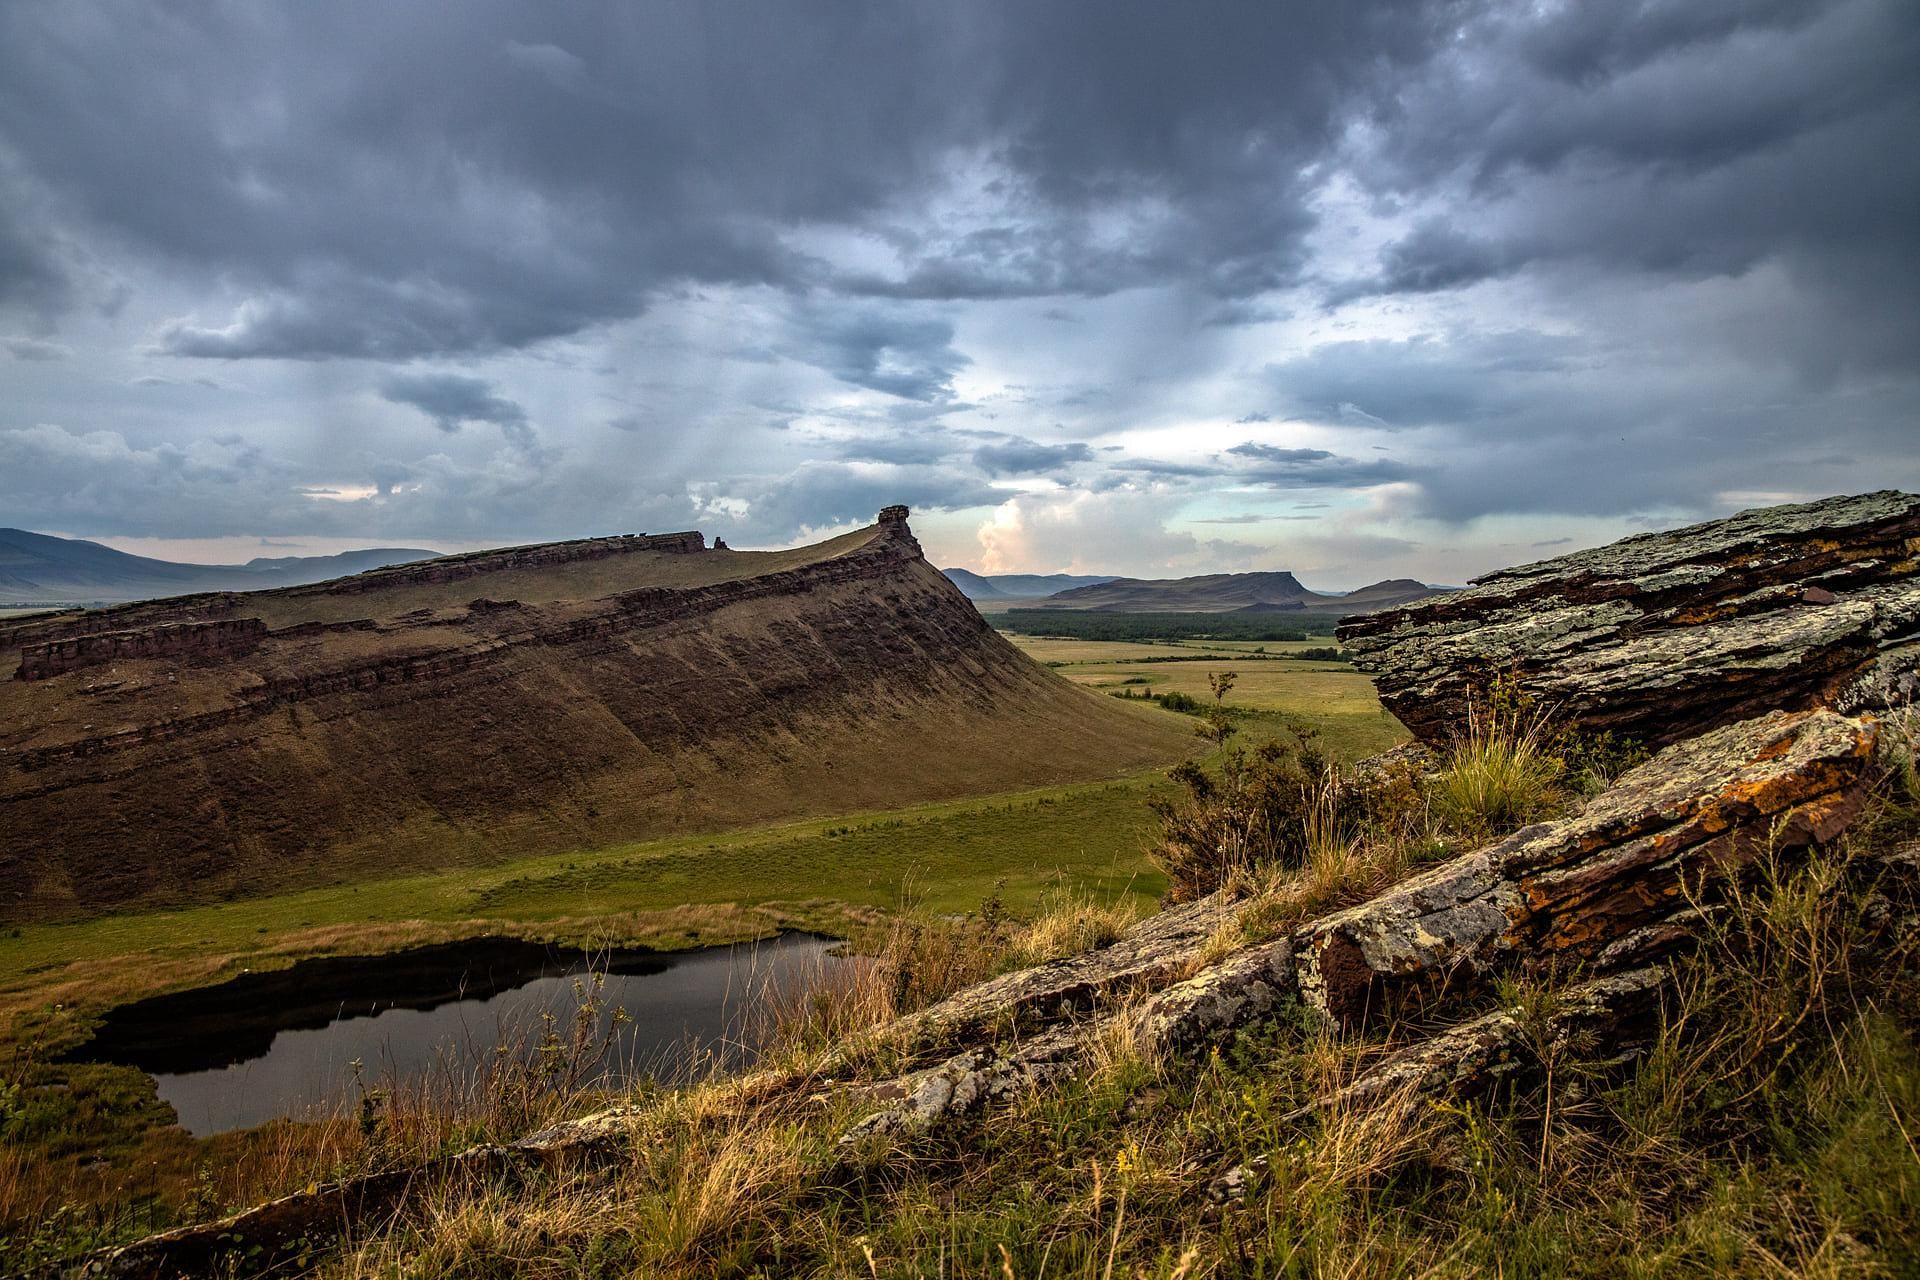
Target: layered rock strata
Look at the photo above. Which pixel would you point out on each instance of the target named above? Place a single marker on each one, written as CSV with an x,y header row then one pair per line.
x,y
435,714
1667,634
1615,885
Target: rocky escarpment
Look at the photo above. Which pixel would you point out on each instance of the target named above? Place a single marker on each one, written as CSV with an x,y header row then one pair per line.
x,y
1608,889
1667,634
192,641
536,706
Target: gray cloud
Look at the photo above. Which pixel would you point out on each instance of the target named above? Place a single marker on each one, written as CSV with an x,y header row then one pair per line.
x,y
822,494
1279,468
35,349
1161,469
452,400
1654,138
1603,262
461,186
1028,457
881,348
912,448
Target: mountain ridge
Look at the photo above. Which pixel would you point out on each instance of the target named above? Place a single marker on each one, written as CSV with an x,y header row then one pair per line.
x,y
1019,586
1272,591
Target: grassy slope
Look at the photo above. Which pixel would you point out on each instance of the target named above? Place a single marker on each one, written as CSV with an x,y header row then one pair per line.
x,y
1769,1132
859,694
946,857
94,1137
696,889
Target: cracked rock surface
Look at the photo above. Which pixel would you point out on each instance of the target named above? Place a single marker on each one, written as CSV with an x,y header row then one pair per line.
x,y
1665,635
1611,886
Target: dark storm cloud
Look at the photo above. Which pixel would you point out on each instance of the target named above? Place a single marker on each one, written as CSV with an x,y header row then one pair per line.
x,y
390,182
1675,140
1630,256
453,400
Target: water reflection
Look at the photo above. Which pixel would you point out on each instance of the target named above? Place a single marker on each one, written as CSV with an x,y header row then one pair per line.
x,y
277,1044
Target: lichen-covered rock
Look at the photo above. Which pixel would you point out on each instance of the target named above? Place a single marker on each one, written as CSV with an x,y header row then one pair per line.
x,y
1664,635
1614,886
1158,950
1205,1009
1473,1057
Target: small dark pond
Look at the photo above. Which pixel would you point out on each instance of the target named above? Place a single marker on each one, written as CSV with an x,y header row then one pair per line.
x,y
283,1043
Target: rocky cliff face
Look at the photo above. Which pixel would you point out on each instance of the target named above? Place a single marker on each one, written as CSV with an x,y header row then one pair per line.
x,y
205,755
1667,634
188,641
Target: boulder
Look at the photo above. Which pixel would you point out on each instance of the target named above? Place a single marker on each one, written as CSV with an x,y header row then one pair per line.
x,y
1664,635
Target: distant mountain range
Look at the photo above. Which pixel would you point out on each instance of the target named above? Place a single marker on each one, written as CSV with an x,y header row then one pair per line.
x,y
38,568
1019,586
1208,593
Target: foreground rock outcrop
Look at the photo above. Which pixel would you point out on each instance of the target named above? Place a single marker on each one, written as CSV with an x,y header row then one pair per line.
x,y
528,700
1664,635
1615,885
1608,891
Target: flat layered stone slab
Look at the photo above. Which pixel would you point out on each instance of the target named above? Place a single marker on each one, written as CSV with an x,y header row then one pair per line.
x,y
1615,886
1154,952
1665,635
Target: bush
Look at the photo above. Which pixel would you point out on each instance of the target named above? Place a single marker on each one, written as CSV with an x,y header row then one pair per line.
x,y
1267,807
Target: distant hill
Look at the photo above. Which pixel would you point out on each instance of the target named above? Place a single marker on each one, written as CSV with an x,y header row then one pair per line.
x,y
1252,593
38,568
984,587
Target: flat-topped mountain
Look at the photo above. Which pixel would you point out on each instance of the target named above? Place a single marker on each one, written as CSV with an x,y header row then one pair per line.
x,y
543,698
1234,592
987,587
38,568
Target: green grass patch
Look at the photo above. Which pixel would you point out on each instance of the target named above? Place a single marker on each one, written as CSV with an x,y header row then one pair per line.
x,y
948,856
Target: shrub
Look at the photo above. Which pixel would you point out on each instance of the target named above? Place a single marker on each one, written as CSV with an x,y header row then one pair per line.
x,y
1319,653
1268,806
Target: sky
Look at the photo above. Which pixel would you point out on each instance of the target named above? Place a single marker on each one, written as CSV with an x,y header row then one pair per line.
x,y
1357,290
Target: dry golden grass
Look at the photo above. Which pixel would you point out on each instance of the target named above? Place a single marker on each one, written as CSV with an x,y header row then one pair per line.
x,y
1068,924
1768,1133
